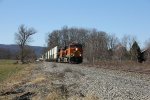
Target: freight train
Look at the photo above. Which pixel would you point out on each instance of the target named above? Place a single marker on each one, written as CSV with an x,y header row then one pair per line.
x,y
73,53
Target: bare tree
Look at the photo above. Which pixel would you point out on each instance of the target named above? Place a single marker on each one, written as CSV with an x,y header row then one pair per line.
x,y
30,54
147,44
96,46
120,52
66,36
54,39
113,41
147,48
128,40
23,37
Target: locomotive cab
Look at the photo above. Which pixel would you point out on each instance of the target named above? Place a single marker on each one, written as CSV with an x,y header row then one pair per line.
x,y
74,53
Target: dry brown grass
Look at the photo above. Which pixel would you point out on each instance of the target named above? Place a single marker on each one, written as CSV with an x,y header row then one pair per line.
x,y
130,66
39,78
88,97
54,96
58,96
37,97
91,97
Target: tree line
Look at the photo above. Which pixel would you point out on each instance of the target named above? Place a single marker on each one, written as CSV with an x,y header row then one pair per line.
x,y
99,45
5,53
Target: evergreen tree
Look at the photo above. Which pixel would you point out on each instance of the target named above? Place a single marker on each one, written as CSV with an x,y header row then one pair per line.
x,y
135,51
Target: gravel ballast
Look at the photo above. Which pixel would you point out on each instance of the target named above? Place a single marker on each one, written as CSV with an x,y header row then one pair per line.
x,y
103,84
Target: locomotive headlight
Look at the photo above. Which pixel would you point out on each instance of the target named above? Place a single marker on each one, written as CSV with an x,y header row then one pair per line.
x,y
76,49
80,54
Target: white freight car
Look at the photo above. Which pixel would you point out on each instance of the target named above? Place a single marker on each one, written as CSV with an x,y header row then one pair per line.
x,y
55,52
52,54
46,56
48,53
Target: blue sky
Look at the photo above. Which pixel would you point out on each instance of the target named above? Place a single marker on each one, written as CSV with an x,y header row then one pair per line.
x,y
119,17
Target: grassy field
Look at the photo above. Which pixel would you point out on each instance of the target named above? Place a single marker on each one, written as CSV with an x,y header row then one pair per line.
x,y
12,76
8,68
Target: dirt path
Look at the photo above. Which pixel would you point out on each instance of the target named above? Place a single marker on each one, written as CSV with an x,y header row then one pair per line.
x,y
59,81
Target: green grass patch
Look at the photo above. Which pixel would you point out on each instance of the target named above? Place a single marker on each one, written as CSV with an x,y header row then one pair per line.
x,y
8,68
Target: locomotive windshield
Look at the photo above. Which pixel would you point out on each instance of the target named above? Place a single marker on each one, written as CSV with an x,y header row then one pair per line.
x,y
76,45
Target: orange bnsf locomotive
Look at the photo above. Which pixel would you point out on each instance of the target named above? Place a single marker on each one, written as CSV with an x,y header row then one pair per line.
x,y
72,53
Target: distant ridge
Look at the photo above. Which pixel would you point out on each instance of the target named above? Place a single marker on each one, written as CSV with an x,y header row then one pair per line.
x,y
15,48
